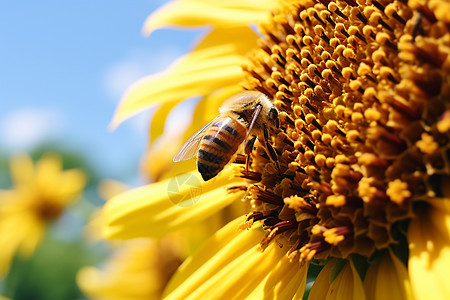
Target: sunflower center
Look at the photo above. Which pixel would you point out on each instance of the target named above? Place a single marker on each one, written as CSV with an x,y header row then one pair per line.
x,y
47,210
363,90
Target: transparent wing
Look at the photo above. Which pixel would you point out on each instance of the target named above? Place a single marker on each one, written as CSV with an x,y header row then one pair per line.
x,y
190,148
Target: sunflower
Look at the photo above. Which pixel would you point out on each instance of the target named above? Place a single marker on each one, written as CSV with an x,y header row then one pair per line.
x,y
39,196
138,269
361,192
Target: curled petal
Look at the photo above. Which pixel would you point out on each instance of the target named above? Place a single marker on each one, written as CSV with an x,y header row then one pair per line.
x,y
220,14
172,87
214,64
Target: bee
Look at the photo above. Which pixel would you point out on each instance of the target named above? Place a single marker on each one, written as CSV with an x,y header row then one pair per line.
x,y
248,112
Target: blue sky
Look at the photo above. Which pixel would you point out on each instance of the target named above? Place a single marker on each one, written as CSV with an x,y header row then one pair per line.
x,y
63,68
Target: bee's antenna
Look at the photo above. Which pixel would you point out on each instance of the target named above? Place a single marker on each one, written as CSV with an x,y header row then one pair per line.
x,y
255,115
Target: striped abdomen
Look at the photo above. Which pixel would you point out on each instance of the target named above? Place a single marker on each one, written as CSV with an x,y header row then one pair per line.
x,y
218,145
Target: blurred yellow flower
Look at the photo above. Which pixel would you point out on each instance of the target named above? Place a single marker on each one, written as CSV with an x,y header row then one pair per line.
x,y
39,195
139,269
363,91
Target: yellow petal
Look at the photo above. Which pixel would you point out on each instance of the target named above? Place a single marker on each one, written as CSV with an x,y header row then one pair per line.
x,y
370,282
322,283
159,208
32,236
92,231
69,184
54,183
22,169
214,64
429,256
225,41
197,234
287,280
224,14
159,118
6,255
48,168
346,286
158,162
231,266
201,79
20,233
387,279
226,245
108,188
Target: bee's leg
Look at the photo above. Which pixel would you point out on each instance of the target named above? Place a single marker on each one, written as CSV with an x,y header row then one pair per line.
x,y
418,29
248,151
270,150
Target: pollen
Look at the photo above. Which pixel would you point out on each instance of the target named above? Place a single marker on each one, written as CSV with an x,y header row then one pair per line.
x,y
398,191
427,144
336,235
335,200
363,91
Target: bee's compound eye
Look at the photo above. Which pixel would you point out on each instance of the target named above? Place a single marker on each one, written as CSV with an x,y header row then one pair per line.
x,y
273,113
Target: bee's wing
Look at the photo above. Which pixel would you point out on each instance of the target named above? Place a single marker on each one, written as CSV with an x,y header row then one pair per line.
x,y
190,148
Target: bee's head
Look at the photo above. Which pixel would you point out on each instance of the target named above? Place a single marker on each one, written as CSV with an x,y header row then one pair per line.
x,y
273,117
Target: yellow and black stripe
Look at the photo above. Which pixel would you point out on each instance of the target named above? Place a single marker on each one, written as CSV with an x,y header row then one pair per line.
x,y
220,143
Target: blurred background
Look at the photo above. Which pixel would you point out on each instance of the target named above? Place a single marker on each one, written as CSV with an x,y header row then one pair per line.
x,y
63,68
